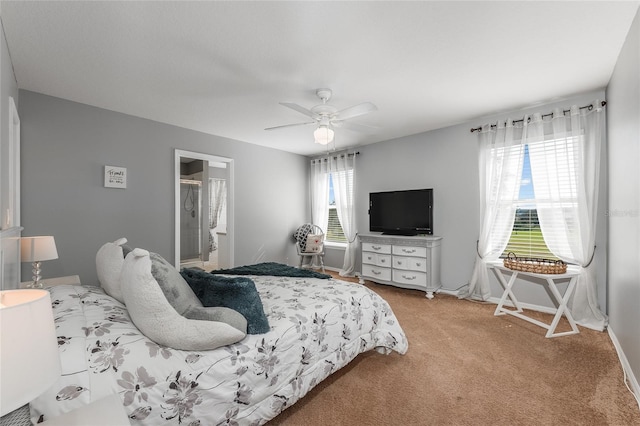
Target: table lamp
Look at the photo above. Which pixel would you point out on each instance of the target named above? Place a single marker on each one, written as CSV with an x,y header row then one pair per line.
x,y
37,249
29,359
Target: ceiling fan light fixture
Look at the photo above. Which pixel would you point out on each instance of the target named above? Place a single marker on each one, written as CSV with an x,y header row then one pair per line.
x,y
323,134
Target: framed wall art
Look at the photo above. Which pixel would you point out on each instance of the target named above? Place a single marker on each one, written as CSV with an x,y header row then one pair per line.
x,y
115,177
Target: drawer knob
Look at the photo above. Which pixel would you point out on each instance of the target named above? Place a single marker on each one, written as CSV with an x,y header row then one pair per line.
x,y
376,272
418,264
382,260
376,247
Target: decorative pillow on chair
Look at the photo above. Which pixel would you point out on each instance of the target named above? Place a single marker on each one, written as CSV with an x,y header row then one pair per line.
x,y
237,293
300,235
109,261
314,243
154,316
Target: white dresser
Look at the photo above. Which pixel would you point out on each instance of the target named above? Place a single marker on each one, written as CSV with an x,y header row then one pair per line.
x,y
402,261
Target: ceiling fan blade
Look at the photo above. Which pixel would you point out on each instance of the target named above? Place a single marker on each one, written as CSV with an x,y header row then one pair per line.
x,y
356,127
355,111
290,125
300,109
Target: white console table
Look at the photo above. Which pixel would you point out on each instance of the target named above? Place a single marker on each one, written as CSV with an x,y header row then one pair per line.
x,y
551,281
402,261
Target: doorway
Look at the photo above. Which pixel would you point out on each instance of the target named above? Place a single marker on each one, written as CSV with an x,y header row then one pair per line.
x,y
203,210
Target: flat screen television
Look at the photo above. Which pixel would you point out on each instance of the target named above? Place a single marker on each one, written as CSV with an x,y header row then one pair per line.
x,y
406,212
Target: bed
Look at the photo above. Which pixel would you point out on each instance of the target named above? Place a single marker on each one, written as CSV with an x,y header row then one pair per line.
x,y
317,327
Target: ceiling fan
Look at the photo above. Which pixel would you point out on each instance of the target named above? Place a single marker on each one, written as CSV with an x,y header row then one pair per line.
x,y
326,117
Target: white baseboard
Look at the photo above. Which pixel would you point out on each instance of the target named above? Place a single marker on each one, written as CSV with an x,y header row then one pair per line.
x,y
630,379
447,292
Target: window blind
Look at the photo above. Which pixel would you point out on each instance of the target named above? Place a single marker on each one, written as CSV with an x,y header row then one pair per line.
x,y
553,198
334,228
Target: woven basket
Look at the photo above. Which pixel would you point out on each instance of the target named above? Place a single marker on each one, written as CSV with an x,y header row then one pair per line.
x,y
536,266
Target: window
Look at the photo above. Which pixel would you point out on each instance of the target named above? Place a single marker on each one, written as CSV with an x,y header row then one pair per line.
x,y
526,236
334,233
555,200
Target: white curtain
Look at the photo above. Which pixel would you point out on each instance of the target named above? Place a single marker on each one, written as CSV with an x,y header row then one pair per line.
x,y
565,163
217,200
343,170
500,165
217,206
320,192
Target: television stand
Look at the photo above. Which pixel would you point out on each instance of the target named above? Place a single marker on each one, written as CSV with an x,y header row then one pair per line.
x,y
403,261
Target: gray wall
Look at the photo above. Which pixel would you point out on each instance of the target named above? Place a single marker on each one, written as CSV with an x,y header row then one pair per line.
x,y
447,161
65,146
623,94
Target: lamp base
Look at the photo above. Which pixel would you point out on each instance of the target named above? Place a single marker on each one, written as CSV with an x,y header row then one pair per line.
x,y
36,276
35,284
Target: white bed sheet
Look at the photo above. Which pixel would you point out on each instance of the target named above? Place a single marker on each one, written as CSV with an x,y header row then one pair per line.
x,y
317,327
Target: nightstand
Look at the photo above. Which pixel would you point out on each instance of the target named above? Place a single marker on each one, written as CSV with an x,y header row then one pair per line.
x,y
52,282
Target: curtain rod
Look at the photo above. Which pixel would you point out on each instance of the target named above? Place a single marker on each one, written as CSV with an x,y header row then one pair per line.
x,y
589,107
350,154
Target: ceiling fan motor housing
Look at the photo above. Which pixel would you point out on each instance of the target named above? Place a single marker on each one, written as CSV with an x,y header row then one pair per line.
x,y
324,110
324,94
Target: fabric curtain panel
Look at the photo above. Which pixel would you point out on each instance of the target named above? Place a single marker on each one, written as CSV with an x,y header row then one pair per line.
x,y
565,163
217,200
501,155
320,193
343,169
217,205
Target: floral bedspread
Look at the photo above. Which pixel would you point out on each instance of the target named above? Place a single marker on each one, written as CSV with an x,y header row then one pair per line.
x,y
317,327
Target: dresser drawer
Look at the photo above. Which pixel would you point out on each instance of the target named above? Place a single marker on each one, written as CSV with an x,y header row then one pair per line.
x,y
376,259
376,272
410,251
377,248
410,277
410,263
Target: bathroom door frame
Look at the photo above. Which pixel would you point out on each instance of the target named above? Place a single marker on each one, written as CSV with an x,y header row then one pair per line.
x,y
178,154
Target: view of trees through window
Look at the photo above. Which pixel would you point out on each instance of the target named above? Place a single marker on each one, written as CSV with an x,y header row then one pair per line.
x,y
526,237
334,229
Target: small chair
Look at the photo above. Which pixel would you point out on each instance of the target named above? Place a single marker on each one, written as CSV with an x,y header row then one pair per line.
x,y
310,244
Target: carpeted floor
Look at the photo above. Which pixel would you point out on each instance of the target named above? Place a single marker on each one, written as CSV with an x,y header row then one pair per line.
x,y
466,366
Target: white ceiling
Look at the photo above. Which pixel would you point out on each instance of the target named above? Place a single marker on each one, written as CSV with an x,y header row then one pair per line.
x,y
223,67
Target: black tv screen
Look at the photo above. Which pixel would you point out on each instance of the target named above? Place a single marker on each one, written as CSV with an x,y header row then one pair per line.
x,y
407,212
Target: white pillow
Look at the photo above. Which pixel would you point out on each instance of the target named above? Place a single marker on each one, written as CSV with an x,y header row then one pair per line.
x,y
314,243
154,316
109,261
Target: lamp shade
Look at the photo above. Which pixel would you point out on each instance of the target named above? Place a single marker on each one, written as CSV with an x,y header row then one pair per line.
x,y
35,249
29,359
323,134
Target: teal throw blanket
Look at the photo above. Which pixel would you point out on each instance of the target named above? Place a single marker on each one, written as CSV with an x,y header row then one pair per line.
x,y
271,269
237,293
